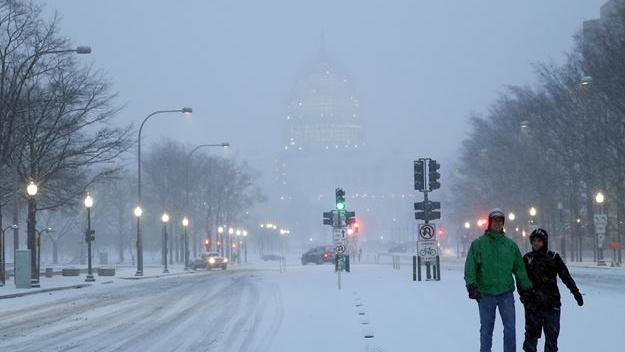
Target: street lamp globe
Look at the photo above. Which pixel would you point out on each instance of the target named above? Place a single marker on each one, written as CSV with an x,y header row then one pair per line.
x,y
32,189
599,197
244,233
187,111
467,225
138,211
511,216
220,230
586,81
230,231
165,218
185,222
533,211
238,232
88,201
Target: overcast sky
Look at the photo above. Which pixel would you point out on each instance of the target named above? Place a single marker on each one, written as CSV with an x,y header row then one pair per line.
x,y
419,67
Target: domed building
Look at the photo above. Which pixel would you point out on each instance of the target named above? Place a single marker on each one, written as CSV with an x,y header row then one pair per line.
x,y
323,113
324,147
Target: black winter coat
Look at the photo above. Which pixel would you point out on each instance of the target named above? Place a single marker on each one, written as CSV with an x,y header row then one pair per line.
x,y
543,267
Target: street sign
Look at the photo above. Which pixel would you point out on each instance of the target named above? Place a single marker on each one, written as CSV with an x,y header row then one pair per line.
x,y
601,221
340,249
338,236
427,249
427,231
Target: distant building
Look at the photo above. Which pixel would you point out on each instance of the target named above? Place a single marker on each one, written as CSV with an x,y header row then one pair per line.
x,y
323,147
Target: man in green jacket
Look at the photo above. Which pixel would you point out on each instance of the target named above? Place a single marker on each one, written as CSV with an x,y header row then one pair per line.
x,y
491,262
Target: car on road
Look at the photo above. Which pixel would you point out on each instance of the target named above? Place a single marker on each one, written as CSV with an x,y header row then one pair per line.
x,y
210,261
318,255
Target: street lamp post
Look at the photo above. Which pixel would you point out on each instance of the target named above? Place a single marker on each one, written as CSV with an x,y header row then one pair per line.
x,y
138,212
90,236
186,111
600,225
165,220
220,239
3,253
224,145
185,224
229,237
32,190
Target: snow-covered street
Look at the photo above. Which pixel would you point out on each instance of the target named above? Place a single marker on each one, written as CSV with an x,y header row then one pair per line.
x,y
216,311
257,308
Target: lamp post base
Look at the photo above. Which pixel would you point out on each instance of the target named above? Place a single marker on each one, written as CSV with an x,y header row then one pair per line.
x,y
166,271
90,278
601,262
139,273
34,283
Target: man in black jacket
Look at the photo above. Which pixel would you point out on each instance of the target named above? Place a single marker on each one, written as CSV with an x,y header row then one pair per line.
x,y
542,307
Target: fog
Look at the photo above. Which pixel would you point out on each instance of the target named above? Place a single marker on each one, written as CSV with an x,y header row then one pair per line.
x,y
419,67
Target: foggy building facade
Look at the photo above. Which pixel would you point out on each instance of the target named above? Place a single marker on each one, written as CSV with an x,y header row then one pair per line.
x,y
324,146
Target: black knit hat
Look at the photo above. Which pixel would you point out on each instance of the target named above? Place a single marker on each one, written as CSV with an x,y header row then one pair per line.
x,y
540,234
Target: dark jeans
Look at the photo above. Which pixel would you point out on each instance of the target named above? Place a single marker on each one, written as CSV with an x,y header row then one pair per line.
x,y
539,319
488,306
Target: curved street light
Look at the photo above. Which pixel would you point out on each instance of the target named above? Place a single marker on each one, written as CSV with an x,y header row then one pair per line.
x,y
185,111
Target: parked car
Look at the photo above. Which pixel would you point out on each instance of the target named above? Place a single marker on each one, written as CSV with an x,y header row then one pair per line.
x,y
210,261
318,255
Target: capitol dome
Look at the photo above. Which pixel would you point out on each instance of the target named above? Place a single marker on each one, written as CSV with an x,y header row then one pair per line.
x,y
323,113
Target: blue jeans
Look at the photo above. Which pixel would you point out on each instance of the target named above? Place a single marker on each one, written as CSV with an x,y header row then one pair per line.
x,y
488,305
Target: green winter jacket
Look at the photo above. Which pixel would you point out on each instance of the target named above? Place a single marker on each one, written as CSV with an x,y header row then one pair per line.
x,y
491,261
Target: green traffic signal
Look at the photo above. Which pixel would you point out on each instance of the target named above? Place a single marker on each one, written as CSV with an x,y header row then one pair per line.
x,y
340,199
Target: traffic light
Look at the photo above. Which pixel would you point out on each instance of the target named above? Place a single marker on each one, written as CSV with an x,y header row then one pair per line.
x,y
328,218
419,175
427,210
433,175
350,217
340,199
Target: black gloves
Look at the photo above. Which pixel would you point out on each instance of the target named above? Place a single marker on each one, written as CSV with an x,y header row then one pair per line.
x,y
526,296
578,298
474,292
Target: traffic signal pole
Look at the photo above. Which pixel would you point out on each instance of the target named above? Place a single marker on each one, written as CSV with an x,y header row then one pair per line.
x,y
426,211
339,219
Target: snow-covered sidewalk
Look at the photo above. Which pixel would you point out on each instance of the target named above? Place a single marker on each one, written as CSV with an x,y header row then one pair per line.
x,y
403,315
58,282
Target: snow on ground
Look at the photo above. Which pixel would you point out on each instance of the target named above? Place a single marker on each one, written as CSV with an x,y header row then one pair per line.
x,y
426,316
256,307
